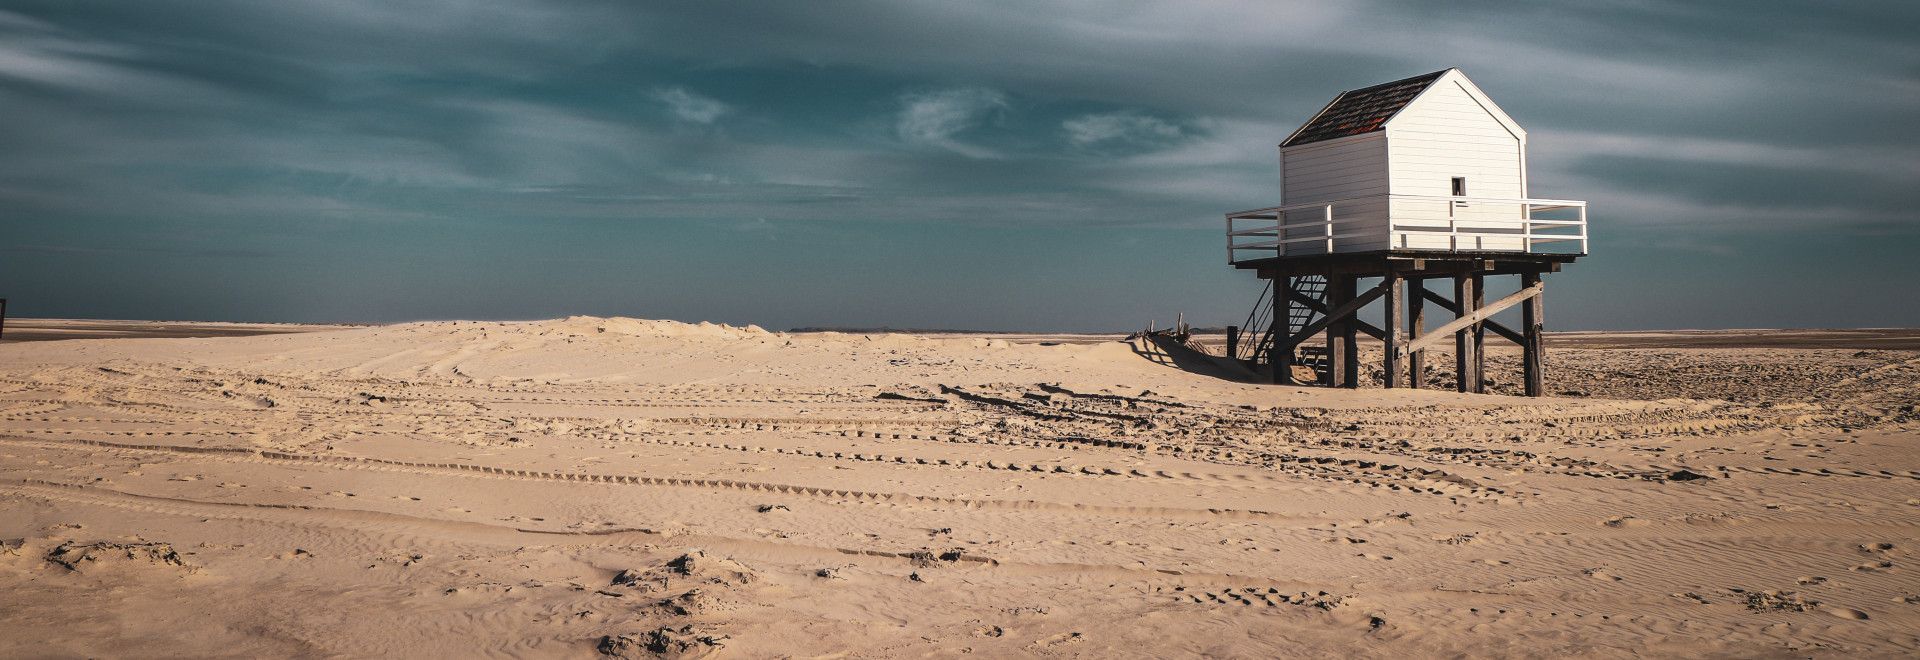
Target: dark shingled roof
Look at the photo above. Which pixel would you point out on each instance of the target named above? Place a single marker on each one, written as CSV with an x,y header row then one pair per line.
x,y
1363,110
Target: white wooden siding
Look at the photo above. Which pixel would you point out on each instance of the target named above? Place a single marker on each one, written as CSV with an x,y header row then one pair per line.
x,y
1447,133
1337,169
1450,130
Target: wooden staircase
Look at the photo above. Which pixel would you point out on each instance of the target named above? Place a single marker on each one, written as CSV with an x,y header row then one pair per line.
x,y
1256,353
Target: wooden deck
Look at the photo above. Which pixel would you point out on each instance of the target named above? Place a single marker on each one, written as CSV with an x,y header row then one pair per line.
x,y
1409,263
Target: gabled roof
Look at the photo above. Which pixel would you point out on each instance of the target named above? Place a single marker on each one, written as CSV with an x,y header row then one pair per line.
x,y
1363,110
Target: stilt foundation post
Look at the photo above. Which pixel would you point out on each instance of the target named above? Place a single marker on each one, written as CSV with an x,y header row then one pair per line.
x,y
1463,362
1416,326
1339,331
1479,337
1280,354
1396,290
1533,317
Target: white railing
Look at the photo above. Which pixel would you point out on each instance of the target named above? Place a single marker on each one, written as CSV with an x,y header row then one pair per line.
x,y
1411,222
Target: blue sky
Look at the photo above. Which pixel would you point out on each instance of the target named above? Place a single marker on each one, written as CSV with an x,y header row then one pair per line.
x,y
1005,165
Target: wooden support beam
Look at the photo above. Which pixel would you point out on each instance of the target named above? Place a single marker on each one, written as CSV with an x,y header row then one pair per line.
x,y
1442,263
1416,322
1396,290
1505,332
1462,344
1437,300
1280,355
1315,305
1434,336
1340,295
1533,321
1479,332
1339,310
1350,328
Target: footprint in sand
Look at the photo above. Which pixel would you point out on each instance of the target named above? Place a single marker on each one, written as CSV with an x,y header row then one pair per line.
x,y
1624,521
1847,613
1056,640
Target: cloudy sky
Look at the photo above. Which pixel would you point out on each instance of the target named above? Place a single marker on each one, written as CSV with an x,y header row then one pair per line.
x,y
1009,165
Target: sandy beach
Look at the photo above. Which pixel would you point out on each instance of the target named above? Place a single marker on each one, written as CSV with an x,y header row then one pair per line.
x,y
658,489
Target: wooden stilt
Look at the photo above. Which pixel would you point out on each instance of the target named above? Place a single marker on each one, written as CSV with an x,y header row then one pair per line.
x,y
1233,342
1416,324
1479,338
1396,290
1466,318
1463,361
1280,355
1532,324
1351,366
1339,333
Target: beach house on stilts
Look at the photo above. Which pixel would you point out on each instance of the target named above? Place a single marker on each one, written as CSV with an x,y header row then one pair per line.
x,y
1398,184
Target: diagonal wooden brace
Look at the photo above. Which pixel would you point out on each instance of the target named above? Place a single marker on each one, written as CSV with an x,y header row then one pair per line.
x,y
1315,305
1478,316
1504,331
1344,310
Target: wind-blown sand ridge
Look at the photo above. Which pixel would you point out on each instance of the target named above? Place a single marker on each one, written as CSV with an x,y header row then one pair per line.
x,y
654,488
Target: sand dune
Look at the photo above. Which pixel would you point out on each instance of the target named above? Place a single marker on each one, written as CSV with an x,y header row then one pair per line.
x,y
659,489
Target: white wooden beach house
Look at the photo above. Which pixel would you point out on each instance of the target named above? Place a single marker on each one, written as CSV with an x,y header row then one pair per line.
x,y
1428,163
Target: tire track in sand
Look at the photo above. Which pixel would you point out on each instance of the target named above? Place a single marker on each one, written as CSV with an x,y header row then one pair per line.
x,y
270,457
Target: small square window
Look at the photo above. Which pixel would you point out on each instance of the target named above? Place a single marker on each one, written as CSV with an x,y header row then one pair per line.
x,y
1459,186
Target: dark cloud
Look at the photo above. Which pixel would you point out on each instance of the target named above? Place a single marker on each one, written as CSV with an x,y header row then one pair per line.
x,y
221,130
1756,184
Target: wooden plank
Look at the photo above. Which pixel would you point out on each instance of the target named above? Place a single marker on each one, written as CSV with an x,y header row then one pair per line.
x,y
1340,310
1396,291
1477,316
1533,351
